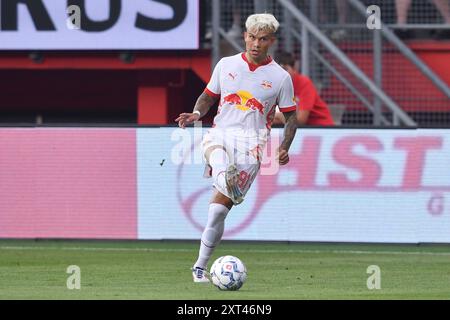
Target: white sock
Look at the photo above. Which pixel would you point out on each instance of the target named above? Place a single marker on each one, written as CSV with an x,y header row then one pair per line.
x,y
218,160
212,234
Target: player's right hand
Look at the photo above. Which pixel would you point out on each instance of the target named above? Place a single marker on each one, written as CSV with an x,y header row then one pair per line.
x,y
185,119
282,157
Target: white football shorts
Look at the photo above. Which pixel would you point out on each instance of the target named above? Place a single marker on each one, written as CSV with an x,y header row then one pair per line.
x,y
244,151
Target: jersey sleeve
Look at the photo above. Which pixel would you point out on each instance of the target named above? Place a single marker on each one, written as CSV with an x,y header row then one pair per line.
x,y
213,87
286,98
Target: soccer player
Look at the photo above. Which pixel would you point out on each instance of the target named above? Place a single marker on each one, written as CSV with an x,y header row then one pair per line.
x,y
312,110
249,85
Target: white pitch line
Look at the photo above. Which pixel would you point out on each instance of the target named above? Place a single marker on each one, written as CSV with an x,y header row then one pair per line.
x,y
94,249
236,250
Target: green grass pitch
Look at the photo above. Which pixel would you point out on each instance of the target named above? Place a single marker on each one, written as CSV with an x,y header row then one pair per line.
x,y
161,270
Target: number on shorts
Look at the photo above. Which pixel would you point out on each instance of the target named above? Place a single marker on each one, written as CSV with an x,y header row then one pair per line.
x,y
243,178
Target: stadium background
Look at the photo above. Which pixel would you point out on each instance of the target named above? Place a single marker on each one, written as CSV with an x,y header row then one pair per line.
x,y
79,159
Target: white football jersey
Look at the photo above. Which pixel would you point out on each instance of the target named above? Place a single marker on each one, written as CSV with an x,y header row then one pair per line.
x,y
249,94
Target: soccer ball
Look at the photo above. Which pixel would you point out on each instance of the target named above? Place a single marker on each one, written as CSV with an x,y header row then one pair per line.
x,y
228,273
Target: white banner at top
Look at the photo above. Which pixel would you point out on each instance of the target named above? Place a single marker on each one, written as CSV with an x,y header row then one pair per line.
x,y
99,24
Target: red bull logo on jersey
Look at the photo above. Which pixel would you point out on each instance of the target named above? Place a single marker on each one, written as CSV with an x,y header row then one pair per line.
x,y
244,101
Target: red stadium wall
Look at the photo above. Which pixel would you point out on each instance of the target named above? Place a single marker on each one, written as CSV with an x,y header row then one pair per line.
x,y
401,71
436,55
156,86
153,87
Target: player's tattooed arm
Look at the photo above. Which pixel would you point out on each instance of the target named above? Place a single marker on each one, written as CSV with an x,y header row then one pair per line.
x,y
204,103
290,128
202,106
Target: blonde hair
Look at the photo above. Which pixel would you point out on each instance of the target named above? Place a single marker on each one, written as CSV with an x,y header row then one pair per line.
x,y
262,22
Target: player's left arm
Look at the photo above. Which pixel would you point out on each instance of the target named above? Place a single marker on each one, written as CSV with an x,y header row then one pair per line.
x,y
287,105
290,128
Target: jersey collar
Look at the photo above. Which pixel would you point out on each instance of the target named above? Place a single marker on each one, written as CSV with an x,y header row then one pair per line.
x,y
253,66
